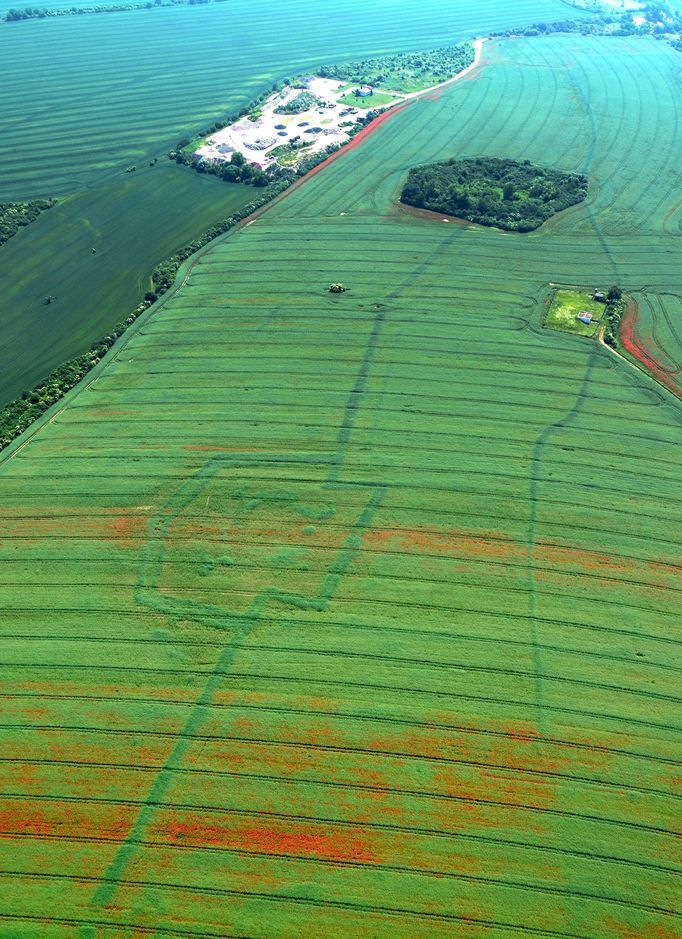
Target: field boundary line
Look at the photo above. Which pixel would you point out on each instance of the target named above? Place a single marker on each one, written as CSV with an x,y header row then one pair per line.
x,y
522,886
329,748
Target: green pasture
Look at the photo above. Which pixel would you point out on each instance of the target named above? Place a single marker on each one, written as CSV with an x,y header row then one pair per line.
x,y
564,308
94,253
358,615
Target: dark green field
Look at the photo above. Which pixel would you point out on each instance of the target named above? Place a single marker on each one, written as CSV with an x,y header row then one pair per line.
x,y
132,223
115,89
358,615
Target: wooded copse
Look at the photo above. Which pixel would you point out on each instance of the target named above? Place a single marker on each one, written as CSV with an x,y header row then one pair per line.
x,y
495,192
16,215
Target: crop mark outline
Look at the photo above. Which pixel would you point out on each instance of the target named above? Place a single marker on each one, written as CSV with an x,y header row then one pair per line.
x,y
242,625
147,592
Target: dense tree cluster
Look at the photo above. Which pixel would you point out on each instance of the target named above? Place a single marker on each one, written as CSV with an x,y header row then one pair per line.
x,y
15,215
302,102
235,170
393,71
490,191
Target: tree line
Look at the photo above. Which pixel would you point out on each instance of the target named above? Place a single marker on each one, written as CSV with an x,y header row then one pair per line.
x,y
16,215
613,314
428,67
658,19
15,15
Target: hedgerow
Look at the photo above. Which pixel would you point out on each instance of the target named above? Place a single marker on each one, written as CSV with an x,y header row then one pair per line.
x,y
613,315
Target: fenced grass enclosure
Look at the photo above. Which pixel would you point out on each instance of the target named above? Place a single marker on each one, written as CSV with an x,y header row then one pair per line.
x,y
359,610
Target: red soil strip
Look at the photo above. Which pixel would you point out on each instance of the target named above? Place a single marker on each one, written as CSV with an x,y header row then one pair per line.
x,y
351,145
78,747
109,412
259,537
620,930
444,542
276,838
361,135
122,527
128,528
492,545
122,689
23,818
23,822
250,301
356,141
635,346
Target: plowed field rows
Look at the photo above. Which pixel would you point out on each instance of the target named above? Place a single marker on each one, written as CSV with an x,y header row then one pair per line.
x,y
358,615
102,91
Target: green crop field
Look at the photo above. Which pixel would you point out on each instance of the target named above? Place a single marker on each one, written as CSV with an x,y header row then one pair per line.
x,y
92,95
652,335
357,615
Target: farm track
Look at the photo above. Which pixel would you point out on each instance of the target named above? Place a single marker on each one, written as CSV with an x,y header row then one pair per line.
x,y
360,611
